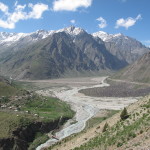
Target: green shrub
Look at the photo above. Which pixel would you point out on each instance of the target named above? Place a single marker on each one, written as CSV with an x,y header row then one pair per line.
x,y
132,135
141,131
119,144
124,114
4,99
105,127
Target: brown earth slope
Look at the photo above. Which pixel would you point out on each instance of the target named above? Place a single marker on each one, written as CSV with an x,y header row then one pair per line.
x,y
130,134
138,71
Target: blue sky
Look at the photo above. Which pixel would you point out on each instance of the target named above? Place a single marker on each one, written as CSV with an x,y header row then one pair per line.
x,y
130,17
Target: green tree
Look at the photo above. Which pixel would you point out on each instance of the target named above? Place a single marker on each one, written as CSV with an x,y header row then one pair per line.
x,y
124,114
105,127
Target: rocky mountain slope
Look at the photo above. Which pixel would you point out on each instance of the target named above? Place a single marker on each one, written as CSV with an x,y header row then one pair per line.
x,y
138,71
123,47
53,54
68,50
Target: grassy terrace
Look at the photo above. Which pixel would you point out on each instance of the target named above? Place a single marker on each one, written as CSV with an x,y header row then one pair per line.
x,y
9,122
35,109
10,90
20,108
47,108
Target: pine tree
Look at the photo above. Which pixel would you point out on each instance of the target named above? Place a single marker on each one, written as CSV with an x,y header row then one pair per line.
x,y
105,127
124,114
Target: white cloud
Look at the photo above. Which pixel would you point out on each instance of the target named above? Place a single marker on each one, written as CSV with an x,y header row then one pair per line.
x,y
72,21
103,22
70,5
17,15
20,14
37,10
3,7
6,24
127,22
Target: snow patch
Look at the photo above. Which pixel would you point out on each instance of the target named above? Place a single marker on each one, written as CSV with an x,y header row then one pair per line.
x,y
106,36
73,31
9,38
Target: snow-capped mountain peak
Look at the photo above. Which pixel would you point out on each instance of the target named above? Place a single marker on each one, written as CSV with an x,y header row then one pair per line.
x,y
11,37
102,35
73,31
118,34
41,34
106,36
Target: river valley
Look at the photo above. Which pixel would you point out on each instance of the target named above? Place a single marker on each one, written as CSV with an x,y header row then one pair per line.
x,y
85,106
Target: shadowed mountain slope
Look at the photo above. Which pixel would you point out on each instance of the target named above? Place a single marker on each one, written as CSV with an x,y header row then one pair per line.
x,y
138,71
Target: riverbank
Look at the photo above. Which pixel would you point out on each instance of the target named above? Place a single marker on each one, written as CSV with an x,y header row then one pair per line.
x,y
84,106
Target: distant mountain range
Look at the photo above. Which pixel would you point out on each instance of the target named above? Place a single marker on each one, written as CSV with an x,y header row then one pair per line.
x,y
53,54
139,71
124,47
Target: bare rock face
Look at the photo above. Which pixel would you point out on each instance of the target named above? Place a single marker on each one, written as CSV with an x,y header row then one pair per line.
x,y
53,54
123,47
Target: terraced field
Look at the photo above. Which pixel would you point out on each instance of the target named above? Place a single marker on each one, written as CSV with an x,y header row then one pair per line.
x,y
26,117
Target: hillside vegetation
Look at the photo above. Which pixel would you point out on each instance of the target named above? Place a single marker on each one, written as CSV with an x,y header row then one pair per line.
x,y
126,133
114,132
9,88
26,117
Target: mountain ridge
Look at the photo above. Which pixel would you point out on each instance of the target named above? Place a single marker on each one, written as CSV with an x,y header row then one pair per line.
x,y
50,54
72,30
124,47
